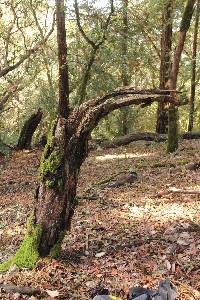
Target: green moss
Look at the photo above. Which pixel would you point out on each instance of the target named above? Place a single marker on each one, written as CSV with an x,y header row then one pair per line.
x,y
51,160
55,251
183,162
27,255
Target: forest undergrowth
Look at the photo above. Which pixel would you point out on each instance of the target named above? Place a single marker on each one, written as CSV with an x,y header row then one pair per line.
x,y
122,237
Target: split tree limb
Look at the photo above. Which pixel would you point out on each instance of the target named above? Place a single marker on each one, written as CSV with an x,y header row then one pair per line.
x,y
92,111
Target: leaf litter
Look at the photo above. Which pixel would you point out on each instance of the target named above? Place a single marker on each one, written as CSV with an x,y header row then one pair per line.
x,y
123,237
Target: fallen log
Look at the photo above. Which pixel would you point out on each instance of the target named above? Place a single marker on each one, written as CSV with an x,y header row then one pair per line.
x,y
144,136
178,191
12,288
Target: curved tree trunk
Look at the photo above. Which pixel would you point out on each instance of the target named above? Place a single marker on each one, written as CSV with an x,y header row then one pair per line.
x,y
28,130
63,156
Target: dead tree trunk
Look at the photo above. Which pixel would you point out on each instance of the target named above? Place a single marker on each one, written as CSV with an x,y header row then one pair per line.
x,y
165,64
28,130
193,71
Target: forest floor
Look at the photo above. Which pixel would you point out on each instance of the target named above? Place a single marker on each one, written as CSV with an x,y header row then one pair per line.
x,y
128,236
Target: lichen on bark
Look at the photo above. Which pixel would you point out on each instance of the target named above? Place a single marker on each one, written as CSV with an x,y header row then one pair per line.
x,y
27,255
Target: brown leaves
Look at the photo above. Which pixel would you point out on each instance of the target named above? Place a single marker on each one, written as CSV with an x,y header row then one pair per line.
x,y
125,236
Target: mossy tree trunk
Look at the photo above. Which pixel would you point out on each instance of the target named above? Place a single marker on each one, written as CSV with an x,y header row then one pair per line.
x,y
63,156
165,64
28,130
172,84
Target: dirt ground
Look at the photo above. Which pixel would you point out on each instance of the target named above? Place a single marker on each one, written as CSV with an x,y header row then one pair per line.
x,y
124,237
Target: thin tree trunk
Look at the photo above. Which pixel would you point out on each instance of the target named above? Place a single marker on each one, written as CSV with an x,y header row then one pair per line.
x,y
82,90
173,118
193,71
28,130
165,64
125,112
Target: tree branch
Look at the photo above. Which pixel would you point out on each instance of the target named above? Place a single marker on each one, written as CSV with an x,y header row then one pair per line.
x,y
92,111
8,69
94,45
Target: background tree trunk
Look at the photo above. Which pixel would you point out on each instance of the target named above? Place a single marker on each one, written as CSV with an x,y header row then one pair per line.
x,y
173,118
193,71
165,64
125,112
28,130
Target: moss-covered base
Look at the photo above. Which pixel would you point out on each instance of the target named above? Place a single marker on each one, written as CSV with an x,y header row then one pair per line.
x,y
27,255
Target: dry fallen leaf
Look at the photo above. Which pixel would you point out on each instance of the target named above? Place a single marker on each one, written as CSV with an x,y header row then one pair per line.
x,y
100,254
52,294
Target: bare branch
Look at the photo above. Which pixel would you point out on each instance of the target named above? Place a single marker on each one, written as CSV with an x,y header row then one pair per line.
x,y
7,69
95,45
80,26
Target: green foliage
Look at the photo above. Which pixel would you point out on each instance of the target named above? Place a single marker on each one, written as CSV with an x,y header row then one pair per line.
x,y
27,255
37,77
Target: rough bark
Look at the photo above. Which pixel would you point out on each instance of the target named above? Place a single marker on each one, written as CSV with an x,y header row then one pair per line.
x,y
28,130
63,155
63,81
185,24
165,64
193,70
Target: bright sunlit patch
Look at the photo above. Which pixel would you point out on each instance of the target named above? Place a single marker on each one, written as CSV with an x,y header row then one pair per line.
x,y
122,155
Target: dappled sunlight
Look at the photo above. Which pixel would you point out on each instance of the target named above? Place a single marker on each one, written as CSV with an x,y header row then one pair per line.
x,y
123,156
162,211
